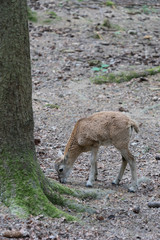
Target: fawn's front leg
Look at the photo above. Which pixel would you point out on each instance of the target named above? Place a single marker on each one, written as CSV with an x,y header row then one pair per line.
x,y
93,169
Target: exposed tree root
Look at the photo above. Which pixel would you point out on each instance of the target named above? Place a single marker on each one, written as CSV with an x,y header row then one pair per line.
x,y
26,191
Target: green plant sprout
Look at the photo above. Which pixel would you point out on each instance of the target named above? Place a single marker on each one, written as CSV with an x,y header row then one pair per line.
x,y
102,68
55,106
110,4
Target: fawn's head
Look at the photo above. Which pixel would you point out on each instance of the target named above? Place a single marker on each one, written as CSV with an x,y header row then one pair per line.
x,y
62,167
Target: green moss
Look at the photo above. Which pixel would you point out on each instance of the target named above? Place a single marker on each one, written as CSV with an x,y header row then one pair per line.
x,y
82,194
124,76
79,208
88,194
25,190
21,190
63,189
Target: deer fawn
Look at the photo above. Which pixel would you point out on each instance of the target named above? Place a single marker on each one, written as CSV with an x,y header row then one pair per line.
x,y
103,128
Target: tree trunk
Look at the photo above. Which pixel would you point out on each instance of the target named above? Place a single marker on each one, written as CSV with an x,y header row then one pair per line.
x,y
23,186
16,126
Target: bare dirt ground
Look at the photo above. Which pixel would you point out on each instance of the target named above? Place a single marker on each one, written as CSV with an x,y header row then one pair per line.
x,y
64,49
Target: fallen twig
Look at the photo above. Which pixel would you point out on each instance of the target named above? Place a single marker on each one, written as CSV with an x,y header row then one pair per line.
x,y
154,204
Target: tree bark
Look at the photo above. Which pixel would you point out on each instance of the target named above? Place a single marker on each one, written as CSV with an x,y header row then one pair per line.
x,y
16,126
23,186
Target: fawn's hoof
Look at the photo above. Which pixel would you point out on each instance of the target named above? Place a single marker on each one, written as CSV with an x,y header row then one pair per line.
x,y
115,182
132,189
89,184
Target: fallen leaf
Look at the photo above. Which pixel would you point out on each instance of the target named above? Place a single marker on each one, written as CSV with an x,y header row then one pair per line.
x,y
147,37
15,234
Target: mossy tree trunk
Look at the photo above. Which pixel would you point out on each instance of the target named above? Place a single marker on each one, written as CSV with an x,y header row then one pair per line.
x,y
23,186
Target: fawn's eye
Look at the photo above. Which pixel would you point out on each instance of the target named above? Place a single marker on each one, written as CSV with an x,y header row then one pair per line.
x,y
60,169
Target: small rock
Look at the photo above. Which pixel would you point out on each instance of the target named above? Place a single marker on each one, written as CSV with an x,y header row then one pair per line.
x,y
61,95
143,79
101,96
157,157
41,216
121,109
94,63
136,209
15,234
53,128
134,143
132,32
67,68
111,217
105,43
154,204
37,141
155,99
100,218
53,237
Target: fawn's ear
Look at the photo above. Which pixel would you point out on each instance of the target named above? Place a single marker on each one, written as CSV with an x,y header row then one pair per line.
x,y
65,158
60,154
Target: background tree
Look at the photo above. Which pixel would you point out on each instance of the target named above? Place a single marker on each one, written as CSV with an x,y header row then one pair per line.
x,y
23,186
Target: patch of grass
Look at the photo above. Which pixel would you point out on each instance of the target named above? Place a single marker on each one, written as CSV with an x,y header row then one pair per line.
x,y
108,24
112,77
117,27
110,4
52,106
147,149
32,16
97,35
133,11
94,62
47,21
153,71
145,10
124,76
52,14
117,33
148,10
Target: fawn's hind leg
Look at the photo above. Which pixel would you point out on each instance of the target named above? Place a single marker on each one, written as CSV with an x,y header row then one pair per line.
x,y
121,172
132,163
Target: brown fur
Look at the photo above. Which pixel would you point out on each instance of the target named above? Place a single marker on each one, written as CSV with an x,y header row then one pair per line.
x,y
109,127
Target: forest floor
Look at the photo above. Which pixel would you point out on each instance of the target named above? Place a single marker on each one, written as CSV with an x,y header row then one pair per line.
x,y
72,42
